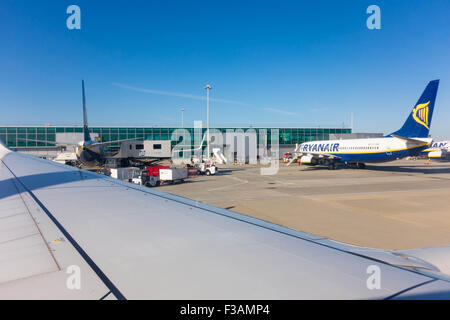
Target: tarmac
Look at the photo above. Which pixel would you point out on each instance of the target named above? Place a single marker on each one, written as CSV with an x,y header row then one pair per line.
x,y
397,205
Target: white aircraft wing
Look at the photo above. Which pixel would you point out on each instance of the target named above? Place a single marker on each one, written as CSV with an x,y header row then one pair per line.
x,y
311,155
71,234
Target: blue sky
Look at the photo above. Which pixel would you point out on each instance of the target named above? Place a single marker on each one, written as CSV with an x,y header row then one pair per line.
x,y
283,63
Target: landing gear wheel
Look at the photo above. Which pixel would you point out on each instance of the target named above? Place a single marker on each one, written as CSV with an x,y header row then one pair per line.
x,y
332,166
360,165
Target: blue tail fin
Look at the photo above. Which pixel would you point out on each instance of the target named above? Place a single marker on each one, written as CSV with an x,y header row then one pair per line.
x,y
418,123
86,135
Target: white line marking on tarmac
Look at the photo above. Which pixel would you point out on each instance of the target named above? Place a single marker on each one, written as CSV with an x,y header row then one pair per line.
x,y
285,183
325,195
232,185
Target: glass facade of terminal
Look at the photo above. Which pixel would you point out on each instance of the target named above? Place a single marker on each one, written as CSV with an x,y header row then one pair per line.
x,y
23,136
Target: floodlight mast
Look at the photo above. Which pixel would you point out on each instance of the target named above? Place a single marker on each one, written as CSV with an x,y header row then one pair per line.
x,y
207,87
182,117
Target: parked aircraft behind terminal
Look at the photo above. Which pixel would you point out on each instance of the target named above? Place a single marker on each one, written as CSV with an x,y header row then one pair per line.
x,y
89,152
410,140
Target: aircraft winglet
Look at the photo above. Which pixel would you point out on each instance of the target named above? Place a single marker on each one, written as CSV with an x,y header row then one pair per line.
x,y
3,149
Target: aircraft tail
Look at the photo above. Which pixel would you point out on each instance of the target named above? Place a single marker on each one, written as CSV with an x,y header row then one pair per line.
x,y
419,121
86,135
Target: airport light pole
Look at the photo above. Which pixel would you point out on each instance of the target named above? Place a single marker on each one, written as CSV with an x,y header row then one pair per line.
x,y
182,117
207,87
351,121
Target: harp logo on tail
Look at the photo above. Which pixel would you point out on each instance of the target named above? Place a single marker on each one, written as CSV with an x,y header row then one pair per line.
x,y
420,114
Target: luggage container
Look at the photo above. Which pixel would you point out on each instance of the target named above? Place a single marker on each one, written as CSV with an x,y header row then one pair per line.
x,y
172,175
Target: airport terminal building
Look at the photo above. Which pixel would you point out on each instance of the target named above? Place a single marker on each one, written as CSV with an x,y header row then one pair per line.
x,y
35,139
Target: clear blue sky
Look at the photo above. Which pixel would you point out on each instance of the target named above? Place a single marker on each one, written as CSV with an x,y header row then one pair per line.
x,y
280,63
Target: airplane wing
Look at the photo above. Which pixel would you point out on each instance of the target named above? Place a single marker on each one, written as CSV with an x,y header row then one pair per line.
x,y
311,155
414,140
59,143
72,234
76,144
117,141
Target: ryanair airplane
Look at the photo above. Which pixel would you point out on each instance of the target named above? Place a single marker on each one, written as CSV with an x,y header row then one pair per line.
x,y
89,152
438,149
410,140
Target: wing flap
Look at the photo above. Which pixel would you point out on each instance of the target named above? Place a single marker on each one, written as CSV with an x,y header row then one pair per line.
x,y
23,251
36,260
